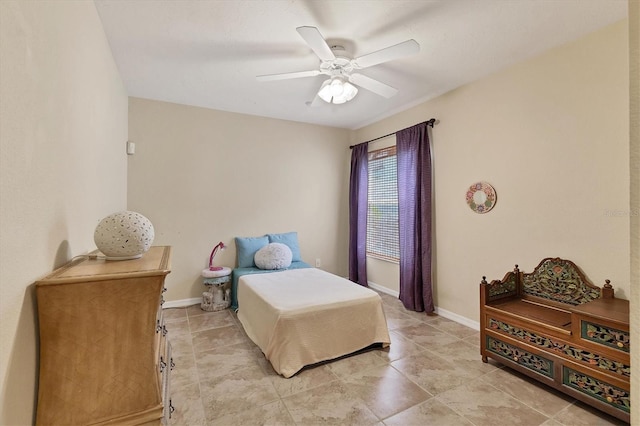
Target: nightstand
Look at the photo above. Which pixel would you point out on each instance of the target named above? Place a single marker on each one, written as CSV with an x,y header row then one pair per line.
x,y
218,294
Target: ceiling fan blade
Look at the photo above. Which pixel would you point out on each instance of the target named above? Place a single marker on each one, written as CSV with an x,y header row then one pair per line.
x,y
372,85
288,75
317,43
406,48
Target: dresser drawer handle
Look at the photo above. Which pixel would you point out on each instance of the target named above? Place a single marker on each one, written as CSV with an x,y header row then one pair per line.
x,y
163,365
172,364
609,399
620,344
164,330
158,326
171,408
515,358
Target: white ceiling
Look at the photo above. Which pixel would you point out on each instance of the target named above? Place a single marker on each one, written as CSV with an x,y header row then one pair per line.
x,y
208,53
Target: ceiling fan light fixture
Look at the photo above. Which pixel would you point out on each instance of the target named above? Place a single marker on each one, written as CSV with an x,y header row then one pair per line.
x,y
325,91
338,91
350,91
337,87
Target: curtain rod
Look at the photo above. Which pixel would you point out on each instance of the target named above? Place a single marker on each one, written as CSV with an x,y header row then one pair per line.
x,y
429,123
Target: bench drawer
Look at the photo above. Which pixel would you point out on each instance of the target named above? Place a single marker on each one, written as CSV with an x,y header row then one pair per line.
x,y
596,388
522,357
604,335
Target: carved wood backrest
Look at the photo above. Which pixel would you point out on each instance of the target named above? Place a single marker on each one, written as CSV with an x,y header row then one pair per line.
x,y
501,289
559,280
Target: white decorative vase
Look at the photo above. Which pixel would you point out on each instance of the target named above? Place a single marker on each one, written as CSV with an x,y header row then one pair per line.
x,y
124,235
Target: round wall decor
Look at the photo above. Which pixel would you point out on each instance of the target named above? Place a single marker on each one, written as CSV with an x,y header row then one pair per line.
x,y
481,197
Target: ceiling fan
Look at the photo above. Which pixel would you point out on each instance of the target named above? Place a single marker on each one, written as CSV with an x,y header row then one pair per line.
x,y
337,88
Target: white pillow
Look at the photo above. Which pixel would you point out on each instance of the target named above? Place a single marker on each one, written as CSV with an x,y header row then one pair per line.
x,y
273,256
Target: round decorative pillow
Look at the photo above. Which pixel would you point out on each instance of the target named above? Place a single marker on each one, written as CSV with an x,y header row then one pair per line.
x,y
273,256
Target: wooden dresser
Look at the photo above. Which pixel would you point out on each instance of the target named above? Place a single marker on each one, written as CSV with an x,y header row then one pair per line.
x,y
104,356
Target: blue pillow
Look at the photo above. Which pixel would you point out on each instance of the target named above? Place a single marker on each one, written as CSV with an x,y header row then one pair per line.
x,y
247,248
290,239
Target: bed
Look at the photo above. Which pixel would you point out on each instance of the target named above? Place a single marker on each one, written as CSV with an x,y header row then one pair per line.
x,y
303,316
299,315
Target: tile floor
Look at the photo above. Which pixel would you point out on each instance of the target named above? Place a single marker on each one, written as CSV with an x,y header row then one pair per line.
x,y
431,374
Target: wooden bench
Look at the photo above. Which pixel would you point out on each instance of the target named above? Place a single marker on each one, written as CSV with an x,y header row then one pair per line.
x,y
555,326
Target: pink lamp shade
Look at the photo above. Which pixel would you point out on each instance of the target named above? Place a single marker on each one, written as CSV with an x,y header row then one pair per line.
x,y
220,246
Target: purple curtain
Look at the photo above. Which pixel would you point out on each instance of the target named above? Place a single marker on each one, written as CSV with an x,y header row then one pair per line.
x,y
414,217
358,186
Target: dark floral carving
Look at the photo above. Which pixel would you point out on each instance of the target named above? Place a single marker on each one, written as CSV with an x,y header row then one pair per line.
x,y
608,336
522,357
498,289
559,280
595,388
562,348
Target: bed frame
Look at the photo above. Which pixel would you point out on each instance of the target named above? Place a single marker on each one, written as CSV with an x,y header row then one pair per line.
x,y
555,326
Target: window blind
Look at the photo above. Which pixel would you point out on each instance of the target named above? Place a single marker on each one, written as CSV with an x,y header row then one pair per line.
x,y
382,209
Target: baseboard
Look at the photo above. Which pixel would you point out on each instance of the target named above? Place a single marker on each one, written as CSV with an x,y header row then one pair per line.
x,y
442,312
458,318
182,303
383,289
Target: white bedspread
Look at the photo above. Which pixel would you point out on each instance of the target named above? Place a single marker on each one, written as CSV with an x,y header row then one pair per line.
x,y
304,316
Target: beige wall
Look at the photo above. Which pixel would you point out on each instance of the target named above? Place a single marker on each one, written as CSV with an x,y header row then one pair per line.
x,y
203,176
63,111
551,135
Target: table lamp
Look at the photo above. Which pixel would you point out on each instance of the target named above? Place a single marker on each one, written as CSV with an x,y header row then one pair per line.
x,y
220,246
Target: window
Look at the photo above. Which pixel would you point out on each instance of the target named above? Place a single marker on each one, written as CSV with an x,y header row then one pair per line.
x,y
382,209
